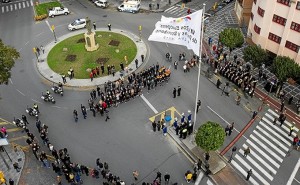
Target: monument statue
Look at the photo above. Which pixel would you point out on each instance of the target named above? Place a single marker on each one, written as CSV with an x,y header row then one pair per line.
x,y
88,25
90,40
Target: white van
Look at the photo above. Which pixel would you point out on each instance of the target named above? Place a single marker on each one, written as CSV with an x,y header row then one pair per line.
x,y
130,6
101,3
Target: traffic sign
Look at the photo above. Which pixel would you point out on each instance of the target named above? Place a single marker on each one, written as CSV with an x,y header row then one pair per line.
x,y
52,27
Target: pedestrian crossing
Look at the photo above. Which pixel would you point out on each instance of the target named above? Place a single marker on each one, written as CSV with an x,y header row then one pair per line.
x,y
269,145
10,7
16,136
178,10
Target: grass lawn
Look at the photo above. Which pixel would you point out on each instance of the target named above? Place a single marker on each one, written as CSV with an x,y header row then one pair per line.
x,y
43,8
84,60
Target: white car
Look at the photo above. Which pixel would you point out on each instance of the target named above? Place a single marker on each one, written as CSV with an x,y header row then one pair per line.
x,y
77,24
101,3
58,11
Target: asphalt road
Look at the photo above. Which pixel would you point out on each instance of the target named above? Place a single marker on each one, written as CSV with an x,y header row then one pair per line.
x,y
126,142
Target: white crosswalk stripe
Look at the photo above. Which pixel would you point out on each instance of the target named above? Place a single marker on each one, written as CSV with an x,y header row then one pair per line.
x,y
178,11
268,145
16,6
209,182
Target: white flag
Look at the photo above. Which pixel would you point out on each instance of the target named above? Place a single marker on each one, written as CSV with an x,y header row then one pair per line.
x,y
182,31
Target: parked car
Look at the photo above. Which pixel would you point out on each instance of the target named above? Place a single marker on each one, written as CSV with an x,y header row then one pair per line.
x,y
58,11
101,3
77,24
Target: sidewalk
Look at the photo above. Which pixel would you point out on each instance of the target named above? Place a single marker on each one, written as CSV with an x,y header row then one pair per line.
x,y
7,160
50,75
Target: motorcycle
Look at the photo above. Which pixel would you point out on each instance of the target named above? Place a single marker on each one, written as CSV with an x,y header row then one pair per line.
x,y
58,90
19,123
32,112
48,98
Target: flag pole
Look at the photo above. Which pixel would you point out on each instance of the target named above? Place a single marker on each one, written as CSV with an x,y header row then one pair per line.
x,y
199,70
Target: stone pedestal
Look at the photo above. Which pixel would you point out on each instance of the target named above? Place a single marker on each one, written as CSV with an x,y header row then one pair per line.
x,y
90,42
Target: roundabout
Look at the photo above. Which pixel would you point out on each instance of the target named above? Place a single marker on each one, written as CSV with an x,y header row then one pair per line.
x,y
69,52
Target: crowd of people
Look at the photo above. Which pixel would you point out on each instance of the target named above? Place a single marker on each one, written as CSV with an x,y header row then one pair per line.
x,y
121,90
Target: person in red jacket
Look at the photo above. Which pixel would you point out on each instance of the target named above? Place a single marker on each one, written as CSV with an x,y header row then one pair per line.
x,y
104,106
91,76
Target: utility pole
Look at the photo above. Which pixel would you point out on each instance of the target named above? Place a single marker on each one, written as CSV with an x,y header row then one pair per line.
x,y
140,32
53,30
36,54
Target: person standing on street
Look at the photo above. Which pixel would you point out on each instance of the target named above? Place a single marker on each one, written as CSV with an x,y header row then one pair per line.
x,y
42,48
136,63
254,114
174,92
83,110
64,78
178,91
246,151
175,65
292,128
107,115
154,126
238,100
231,128
142,57
198,105
94,25
135,174
167,178
11,182
75,114
109,26
249,173
227,130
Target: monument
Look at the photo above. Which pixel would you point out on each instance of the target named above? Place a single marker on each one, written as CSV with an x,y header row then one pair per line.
x,y
90,41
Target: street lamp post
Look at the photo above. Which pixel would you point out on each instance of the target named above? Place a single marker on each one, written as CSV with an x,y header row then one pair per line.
x,y
140,32
53,30
232,151
36,54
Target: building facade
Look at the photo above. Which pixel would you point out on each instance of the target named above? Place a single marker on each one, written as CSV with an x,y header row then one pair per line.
x,y
275,26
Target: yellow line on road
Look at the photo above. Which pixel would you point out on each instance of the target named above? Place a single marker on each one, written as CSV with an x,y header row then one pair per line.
x,y
13,129
182,151
17,138
3,123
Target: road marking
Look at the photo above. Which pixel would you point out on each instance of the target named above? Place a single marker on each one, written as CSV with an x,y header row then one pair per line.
x,y
243,172
20,92
224,120
199,178
11,7
261,160
290,181
16,7
276,128
26,43
275,133
172,7
7,10
27,3
209,183
263,153
36,101
48,25
257,165
149,104
10,81
2,9
249,167
31,3
19,5
13,129
288,123
55,106
24,5
266,148
3,123
17,138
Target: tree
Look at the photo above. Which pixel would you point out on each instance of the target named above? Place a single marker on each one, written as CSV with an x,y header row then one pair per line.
x,y
8,55
284,67
232,38
210,136
255,55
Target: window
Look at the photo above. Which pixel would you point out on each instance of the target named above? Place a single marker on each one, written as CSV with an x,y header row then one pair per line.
x,y
260,11
285,2
252,16
274,38
298,5
292,46
254,1
257,29
279,20
295,26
